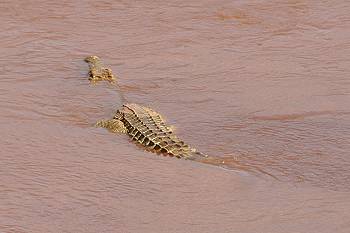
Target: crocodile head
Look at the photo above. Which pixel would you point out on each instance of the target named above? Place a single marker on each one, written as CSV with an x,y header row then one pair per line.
x,y
97,72
92,59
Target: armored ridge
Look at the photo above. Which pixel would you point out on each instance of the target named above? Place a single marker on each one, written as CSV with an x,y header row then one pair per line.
x,y
148,128
145,126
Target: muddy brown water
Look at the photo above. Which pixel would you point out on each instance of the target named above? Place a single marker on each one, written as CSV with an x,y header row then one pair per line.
x,y
265,84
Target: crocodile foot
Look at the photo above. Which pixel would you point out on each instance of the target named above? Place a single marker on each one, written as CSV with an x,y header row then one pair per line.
x,y
113,125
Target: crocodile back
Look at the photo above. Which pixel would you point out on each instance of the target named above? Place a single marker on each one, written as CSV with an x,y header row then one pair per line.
x,y
148,128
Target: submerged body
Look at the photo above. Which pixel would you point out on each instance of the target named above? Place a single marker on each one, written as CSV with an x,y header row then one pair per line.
x,y
142,124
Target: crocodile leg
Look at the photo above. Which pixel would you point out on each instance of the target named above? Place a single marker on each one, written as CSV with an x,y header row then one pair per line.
x,y
113,125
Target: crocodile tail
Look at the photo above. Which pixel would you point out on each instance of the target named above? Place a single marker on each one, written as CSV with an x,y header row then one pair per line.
x,y
196,155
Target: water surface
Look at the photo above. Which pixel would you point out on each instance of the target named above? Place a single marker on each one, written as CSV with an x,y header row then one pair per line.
x,y
264,84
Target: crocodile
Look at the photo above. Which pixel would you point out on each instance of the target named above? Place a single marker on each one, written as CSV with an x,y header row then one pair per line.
x,y
144,125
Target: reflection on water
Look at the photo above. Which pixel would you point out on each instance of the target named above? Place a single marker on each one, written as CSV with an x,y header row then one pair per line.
x,y
261,85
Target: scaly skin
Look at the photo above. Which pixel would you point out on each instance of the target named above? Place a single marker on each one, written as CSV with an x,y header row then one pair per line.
x,y
145,126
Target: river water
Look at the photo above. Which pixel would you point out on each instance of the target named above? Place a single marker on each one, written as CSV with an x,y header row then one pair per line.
x,y
263,85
